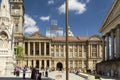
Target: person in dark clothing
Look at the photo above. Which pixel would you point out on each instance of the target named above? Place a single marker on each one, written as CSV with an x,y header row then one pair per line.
x,y
39,76
46,73
24,72
33,73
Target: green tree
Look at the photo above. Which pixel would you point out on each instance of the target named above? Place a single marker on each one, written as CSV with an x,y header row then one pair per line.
x,y
19,53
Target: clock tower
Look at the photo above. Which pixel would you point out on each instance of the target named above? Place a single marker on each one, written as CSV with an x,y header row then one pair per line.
x,y
17,14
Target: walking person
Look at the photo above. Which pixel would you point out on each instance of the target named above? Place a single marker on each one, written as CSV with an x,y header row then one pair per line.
x,y
33,74
46,73
24,72
39,76
17,71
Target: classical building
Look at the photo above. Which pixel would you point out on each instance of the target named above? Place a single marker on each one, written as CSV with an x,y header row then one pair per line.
x,y
6,39
45,52
111,35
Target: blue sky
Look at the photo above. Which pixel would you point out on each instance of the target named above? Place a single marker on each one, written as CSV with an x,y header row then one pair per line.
x,y
85,16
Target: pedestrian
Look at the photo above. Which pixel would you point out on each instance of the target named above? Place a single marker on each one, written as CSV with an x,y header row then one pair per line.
x,y
24,72
46,73
33,73
17,71
39,76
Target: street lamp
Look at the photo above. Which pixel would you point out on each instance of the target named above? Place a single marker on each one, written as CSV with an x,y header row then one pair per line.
x,y
67,59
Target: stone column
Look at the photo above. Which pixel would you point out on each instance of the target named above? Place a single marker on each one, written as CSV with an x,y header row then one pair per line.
x,y
34,48
50,49
40,65
107,47
45,64
54,50
73,64
39,48
89,51
112,45
77,50
64,65
118,42
45,48
64,52
59,51
83,51
103,48
73,48
97,51
29,63
50,64
34,63
28,48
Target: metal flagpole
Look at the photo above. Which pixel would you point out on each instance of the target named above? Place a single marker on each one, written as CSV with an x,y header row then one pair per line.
x,y
67,59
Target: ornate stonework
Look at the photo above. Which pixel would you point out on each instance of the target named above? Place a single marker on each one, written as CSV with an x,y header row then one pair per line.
x,y
6,40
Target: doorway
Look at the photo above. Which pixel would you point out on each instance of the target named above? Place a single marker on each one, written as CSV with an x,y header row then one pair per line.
x,y
59,66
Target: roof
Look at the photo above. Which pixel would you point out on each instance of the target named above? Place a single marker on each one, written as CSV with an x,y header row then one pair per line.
x,y
71,39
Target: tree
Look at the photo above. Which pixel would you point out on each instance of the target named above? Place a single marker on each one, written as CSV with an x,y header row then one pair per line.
x,y
19,53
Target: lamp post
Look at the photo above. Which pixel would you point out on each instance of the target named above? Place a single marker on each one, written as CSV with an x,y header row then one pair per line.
x,y
67,59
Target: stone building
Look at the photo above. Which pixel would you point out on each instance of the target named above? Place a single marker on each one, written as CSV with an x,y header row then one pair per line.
x,y
111,35
43,52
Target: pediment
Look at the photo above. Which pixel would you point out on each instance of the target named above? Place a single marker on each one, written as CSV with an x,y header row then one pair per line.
x,y
113,13
37,35
95,38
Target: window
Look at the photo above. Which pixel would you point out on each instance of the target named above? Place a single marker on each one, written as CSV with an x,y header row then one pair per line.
x,y
75,54
80,53
52,63
71,63
62,54
57,54
52,53
80,63
94,50
76,63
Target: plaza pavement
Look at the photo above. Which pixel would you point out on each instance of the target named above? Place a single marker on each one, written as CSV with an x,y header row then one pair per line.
x,y
56,75
51,76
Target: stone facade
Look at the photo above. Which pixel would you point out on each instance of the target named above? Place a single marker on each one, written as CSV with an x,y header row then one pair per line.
x,y
111,35
43,52
6,39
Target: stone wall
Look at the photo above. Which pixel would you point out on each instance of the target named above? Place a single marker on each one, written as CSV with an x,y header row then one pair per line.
x,y
109,68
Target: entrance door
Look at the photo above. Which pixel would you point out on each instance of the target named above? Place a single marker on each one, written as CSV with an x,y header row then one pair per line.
x,y
59,66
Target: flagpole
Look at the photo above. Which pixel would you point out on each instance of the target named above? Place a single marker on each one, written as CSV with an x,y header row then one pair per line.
x,y
67,59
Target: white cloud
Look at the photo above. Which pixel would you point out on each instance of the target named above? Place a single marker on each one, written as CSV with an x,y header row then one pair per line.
x,y
30,25
74,5
50,1
45,18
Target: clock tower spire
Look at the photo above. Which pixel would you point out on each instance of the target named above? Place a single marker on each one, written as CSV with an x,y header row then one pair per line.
x,y
17,13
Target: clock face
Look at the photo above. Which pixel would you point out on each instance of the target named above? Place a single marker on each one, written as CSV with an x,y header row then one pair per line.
x,y
16,11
